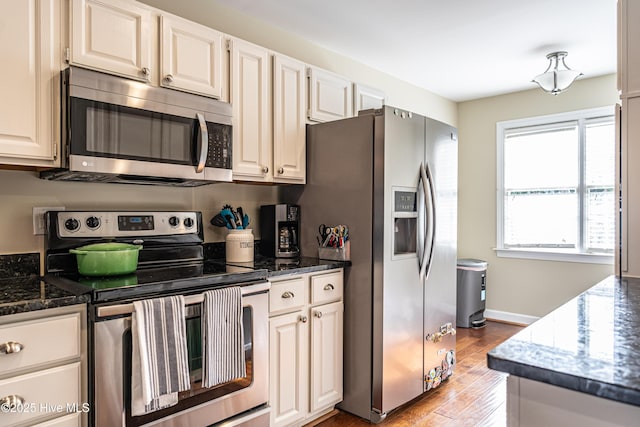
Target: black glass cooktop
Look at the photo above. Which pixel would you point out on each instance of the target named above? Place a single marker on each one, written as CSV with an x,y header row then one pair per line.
x,y
161,280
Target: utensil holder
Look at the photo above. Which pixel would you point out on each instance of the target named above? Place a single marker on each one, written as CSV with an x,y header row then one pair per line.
x,y
239,246
336,254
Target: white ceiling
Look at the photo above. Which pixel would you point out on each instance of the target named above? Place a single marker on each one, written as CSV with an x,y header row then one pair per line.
x,y
459,49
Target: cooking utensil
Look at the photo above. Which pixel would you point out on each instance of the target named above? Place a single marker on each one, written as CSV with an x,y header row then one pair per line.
x,y
218,221
107,259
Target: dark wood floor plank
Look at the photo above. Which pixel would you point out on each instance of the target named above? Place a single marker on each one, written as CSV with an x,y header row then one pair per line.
x,y
473,396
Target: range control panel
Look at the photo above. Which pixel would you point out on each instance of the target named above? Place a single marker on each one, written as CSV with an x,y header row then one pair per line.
x,y
94,224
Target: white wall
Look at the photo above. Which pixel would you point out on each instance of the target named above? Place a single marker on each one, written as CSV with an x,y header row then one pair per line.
x,y
515,285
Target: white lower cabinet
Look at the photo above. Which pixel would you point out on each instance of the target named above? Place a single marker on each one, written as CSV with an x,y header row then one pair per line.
x,y
305,339
43,377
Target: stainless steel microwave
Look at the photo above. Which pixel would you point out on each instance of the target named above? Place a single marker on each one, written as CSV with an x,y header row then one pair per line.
x,y
119,130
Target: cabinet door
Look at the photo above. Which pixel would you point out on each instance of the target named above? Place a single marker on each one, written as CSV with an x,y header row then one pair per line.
x,y
250,89
30,46
289,367
289,101
330,96
629,47
365,98
326,355
191,56
112,36
630,156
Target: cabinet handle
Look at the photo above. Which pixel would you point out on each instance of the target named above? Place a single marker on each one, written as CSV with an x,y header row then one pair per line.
x,y
303,319
10,402
146,72
11,347
329,287
265,169
168,78
318,314
280,171
288,294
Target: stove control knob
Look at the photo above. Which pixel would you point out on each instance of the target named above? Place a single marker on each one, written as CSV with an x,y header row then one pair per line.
x,y
93,222
188,222
174,221
72,224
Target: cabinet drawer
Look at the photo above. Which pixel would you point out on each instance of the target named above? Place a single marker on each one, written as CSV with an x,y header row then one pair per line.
x,y
44,393
45,340
287,295
326,287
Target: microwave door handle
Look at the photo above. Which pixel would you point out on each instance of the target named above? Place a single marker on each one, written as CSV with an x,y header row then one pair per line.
x,y
203,142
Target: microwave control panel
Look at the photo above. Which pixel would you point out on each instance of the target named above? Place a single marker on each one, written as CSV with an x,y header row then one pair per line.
x,y
219,153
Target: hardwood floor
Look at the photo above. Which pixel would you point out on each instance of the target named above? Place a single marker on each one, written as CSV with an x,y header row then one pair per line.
x,y
474,396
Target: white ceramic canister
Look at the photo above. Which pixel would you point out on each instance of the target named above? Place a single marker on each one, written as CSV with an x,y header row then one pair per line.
x,y
239,246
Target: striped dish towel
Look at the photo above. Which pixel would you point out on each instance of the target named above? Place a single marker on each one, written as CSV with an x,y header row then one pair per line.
x,y
159,361
222,336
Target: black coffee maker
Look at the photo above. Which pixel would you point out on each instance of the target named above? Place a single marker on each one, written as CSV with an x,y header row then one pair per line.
x,y
280,230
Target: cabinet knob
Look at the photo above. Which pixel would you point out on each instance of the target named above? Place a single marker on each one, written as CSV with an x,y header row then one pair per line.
x,y
287,294
280,171
146,72
303,319
329,287
168,78
318,314
265,169
11,347
10,402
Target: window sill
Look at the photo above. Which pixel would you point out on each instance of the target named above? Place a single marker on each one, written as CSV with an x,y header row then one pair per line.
x,y
555,256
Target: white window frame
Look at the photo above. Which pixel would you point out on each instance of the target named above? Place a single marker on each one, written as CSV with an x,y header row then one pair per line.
x,y
546,254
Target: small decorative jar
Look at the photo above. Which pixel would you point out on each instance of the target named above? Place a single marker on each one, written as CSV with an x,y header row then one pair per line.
x,y
239,246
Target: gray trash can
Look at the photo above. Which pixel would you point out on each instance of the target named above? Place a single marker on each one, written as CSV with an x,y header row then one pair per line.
x,y
472,288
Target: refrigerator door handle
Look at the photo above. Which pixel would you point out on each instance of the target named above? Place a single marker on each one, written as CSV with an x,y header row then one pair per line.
x,y
430,210
426,220
421,228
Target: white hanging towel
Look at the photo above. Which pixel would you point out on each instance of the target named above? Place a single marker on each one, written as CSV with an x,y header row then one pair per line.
x,y
160,366
222,336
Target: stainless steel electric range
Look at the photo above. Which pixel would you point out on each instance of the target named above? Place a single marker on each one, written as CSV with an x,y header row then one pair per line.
x,y
171,262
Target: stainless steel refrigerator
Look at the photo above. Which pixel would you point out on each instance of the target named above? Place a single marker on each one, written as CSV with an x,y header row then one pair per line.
x,y
391,176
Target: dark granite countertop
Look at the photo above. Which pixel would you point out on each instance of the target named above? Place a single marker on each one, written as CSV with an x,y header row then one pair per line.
x,y
590,344
29,293
22,290
292,266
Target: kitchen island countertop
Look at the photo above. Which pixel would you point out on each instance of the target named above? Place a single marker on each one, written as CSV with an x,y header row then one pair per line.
x,y
590,344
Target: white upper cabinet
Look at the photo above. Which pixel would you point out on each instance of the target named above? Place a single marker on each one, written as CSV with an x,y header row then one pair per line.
x,y
330,96
289,106
365,98
29,111
190,56
250,98
628,48
112,36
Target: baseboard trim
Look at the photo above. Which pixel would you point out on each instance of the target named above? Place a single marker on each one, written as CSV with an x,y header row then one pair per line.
x,y
507,317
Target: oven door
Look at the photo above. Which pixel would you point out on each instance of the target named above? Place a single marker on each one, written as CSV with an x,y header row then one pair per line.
x,y
198,406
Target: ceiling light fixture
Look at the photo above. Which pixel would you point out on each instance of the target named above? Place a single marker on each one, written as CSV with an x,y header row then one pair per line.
x,y
558,77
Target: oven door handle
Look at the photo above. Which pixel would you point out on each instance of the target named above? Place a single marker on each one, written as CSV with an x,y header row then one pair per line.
x,y
122,309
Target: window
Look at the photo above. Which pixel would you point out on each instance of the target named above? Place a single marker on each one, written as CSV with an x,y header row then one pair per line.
x,y
556,187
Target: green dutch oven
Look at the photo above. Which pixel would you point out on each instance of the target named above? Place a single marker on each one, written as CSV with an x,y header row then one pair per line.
x,y
107,259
